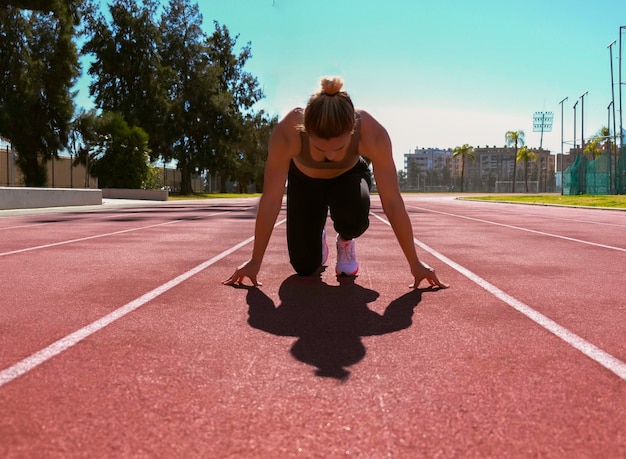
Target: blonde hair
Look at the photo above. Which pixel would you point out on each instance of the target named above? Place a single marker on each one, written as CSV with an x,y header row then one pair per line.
x,y
329,112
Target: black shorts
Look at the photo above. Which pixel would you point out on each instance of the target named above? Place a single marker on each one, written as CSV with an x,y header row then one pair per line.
x,y
308,202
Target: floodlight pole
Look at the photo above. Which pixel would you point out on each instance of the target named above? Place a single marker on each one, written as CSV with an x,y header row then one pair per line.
x,y
608,123
613,145
542,122
561,103
620,82
575,145
620,184
582,121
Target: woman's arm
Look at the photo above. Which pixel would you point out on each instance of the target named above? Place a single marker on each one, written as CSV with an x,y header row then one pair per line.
x,y
376,145
284,144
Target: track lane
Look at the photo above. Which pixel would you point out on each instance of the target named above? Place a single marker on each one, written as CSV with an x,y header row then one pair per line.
x,y
572,285
187,375
53,291
66,230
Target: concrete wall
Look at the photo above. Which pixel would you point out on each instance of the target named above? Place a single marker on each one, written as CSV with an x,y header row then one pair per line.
x,y
29,198
126,193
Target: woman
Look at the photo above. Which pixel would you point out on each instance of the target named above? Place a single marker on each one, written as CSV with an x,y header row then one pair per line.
x,y
319,151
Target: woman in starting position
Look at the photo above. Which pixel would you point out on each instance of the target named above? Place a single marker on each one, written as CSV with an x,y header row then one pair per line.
x,y
319,152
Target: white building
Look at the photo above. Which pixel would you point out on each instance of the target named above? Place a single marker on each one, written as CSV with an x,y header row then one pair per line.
x,y
428,168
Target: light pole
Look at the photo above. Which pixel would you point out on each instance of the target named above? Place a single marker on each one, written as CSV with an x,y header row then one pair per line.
x,y
575,144
614,146
608,123
620,82
561,103
582,121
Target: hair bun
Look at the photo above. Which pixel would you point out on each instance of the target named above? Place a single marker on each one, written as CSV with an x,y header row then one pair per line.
x,y
331,85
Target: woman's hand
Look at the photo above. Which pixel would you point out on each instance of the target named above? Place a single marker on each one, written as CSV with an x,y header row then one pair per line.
x,y
422,271
249,269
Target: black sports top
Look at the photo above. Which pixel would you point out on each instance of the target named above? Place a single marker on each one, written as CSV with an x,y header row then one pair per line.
x,y
349,160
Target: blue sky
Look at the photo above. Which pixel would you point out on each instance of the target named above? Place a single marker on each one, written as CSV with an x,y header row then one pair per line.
x,y
440,73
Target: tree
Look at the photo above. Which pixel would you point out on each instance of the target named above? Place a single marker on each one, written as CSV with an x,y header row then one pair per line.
x,y
84,141
39,5
244,91
515,138
524,154
187,90
124,162
38,68
463,151
402,179
413,175
600,143
250,166
128,77
196,99
446,177
594,148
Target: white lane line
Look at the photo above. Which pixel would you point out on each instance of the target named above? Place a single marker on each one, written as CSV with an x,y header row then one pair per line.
x,y
97,236
620,249
605,359
542,215
69,220
575,220
24,366
30,225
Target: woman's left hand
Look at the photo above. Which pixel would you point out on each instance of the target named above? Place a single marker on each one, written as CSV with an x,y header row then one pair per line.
x,y
422,271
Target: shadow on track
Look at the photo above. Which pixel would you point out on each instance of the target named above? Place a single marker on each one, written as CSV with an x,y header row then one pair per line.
x,y
328,320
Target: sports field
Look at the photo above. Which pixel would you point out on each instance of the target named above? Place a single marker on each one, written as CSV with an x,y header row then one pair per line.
x,y
117,338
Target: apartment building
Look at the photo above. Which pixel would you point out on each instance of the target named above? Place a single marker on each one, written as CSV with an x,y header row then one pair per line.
x,y
428,169
433,169
492,170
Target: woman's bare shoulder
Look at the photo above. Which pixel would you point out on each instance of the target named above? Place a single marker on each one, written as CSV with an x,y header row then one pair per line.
x,y
373,134
288,126
293,118
286,135
368,122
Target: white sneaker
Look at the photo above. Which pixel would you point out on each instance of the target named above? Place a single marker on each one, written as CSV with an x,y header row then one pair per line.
x,y
324,247
346,258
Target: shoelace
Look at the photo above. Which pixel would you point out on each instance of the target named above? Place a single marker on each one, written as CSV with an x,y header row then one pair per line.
x,y
347,253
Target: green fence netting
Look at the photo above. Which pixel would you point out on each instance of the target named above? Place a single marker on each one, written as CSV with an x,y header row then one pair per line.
x,y
574,177
620,173
604,175
597,175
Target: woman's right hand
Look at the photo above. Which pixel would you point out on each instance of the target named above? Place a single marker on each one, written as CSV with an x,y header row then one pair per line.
x,y
249,269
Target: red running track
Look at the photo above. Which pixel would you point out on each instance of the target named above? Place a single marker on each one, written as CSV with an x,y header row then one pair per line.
x,y
118,340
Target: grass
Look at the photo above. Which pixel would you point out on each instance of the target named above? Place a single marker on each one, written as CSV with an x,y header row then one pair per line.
x,y
180,197
604,201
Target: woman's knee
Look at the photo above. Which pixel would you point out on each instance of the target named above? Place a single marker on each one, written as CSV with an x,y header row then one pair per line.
x,y
352,228
305,269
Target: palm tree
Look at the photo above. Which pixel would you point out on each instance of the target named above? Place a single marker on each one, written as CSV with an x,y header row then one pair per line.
x,y
593,148
600,143
524,154
515,138
465,150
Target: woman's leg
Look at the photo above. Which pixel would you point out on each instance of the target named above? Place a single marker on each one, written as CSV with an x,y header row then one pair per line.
x,y
349,201
307,209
